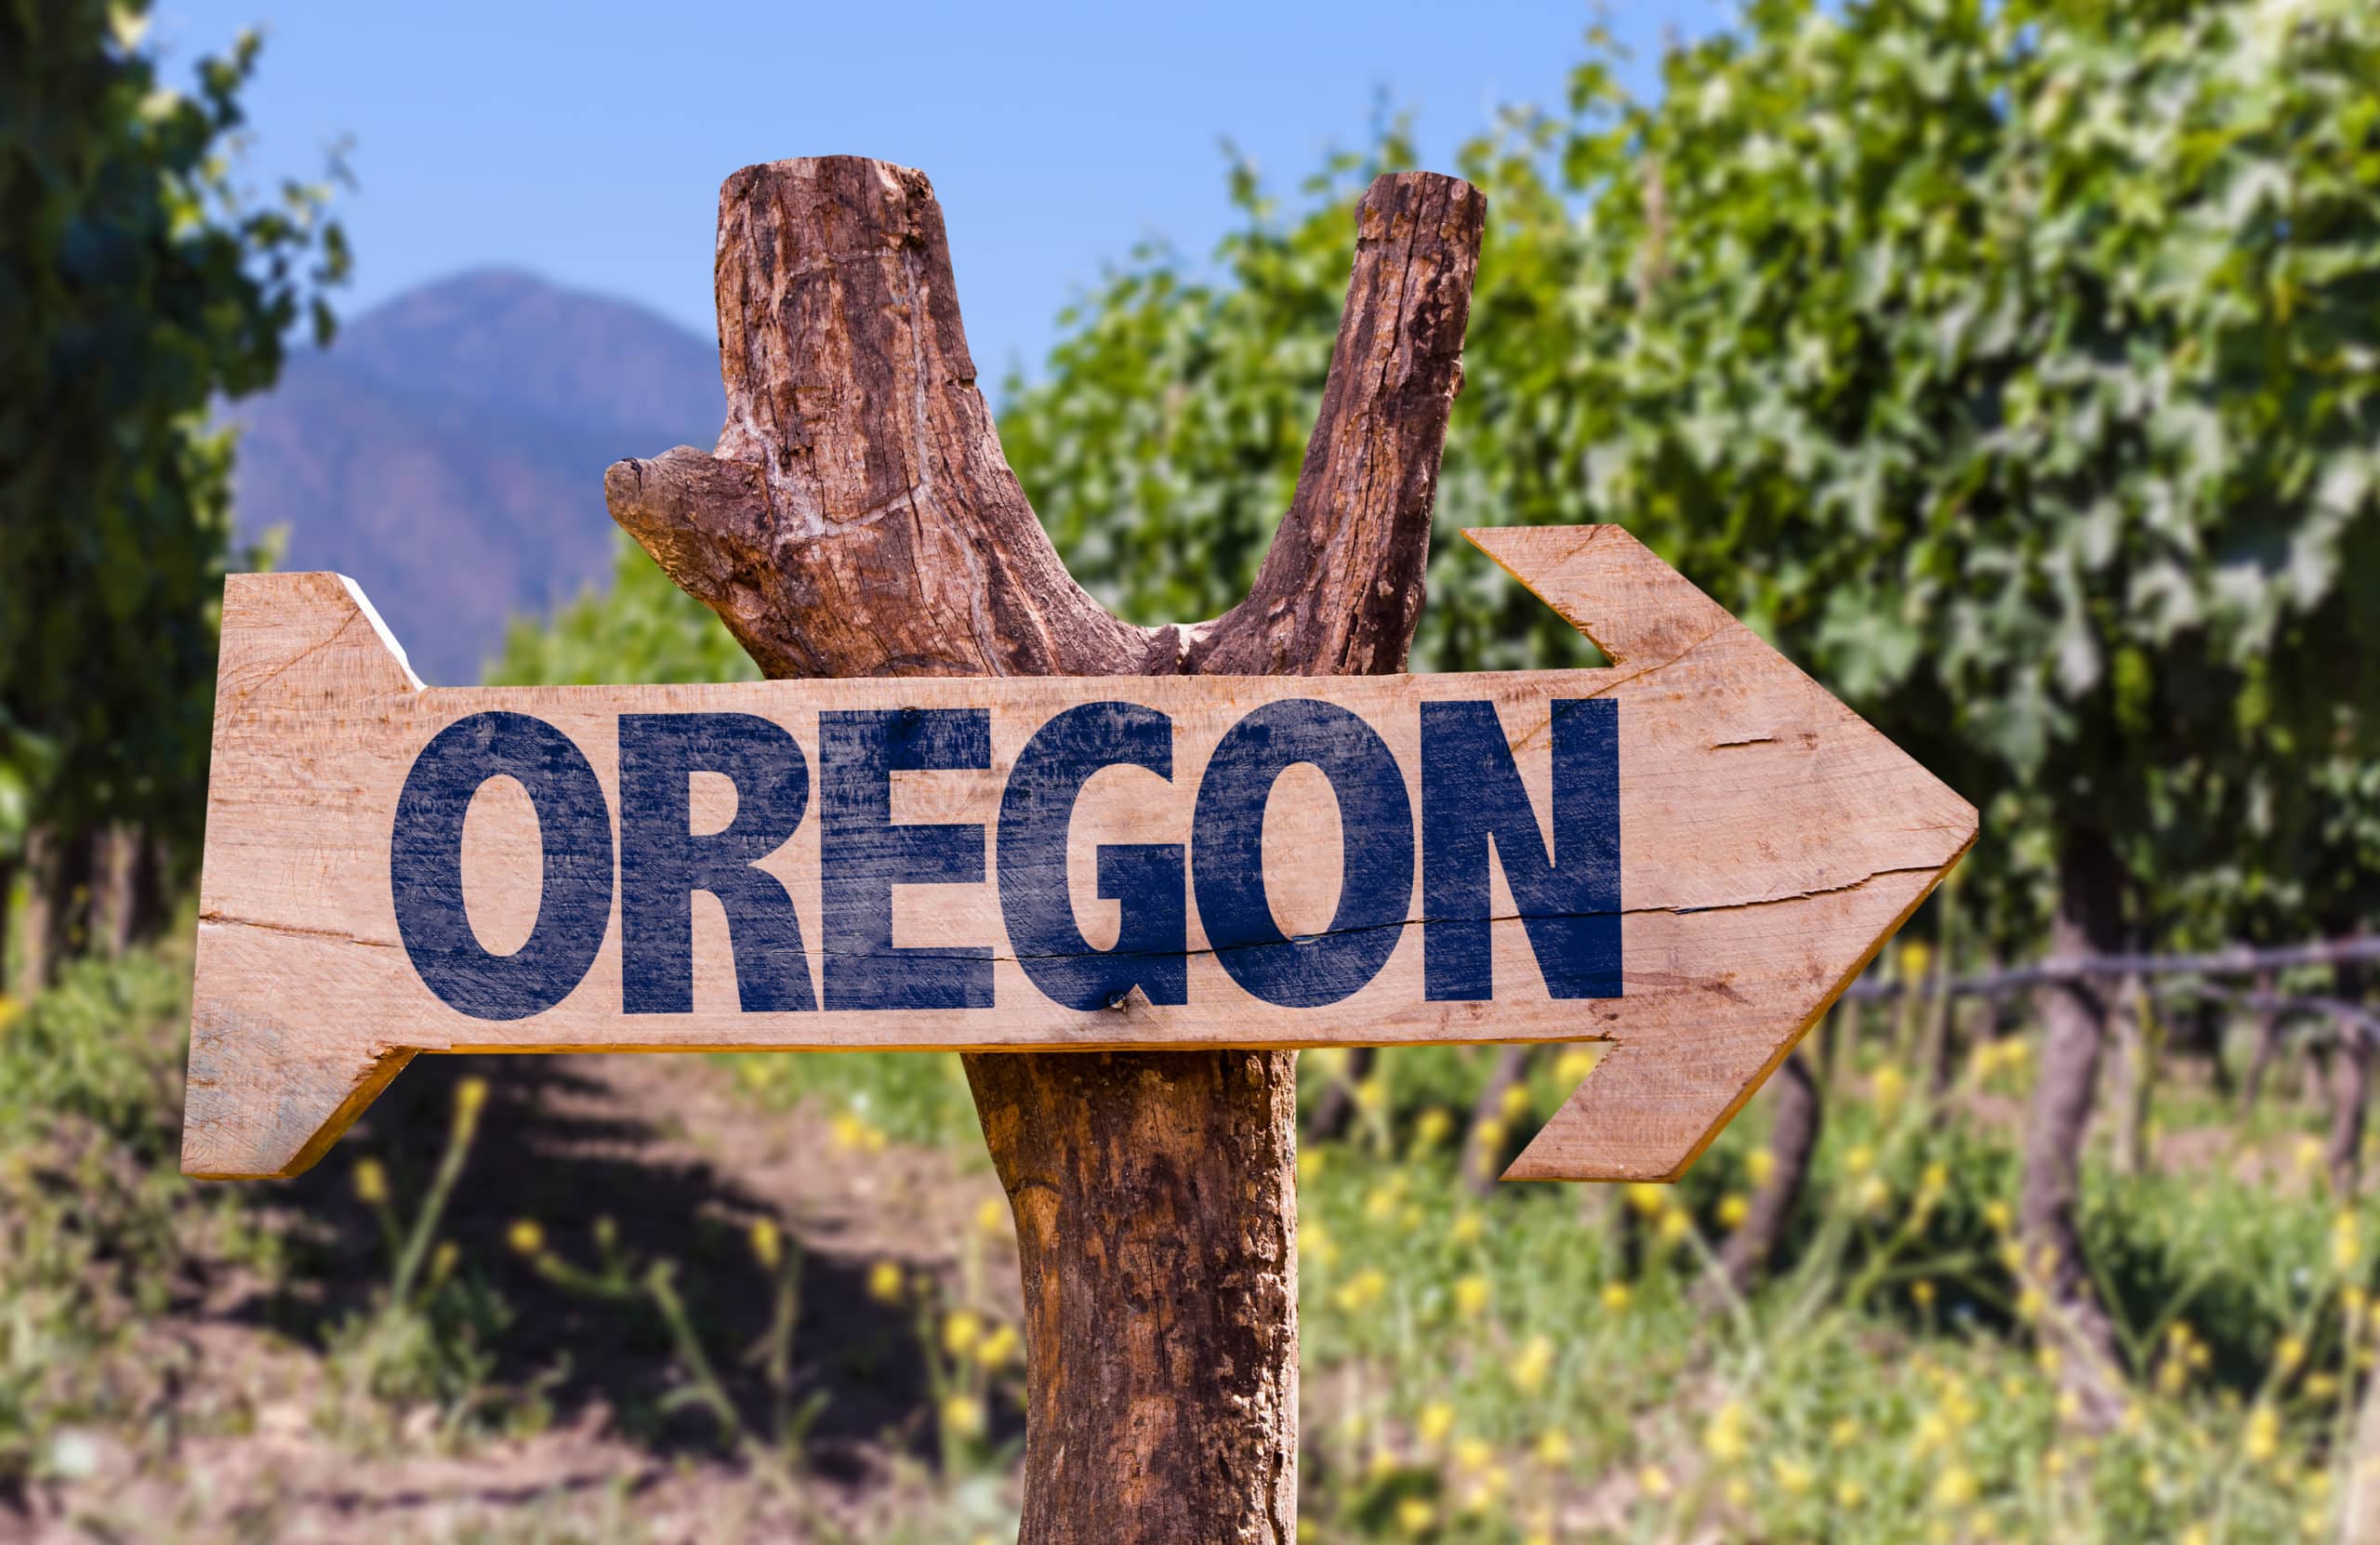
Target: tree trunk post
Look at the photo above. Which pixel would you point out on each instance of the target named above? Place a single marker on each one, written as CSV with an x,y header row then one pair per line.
x,y
857,519
2089,923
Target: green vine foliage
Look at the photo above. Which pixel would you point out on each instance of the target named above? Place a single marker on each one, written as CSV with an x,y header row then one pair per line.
x,y
2012,366
138,285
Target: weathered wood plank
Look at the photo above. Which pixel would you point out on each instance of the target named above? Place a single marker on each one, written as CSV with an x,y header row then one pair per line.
x,y
1768,840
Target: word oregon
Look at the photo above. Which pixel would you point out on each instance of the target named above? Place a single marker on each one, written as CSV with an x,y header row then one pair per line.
x,y
1472,801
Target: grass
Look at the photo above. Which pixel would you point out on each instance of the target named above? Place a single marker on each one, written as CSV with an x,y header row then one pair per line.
x,y
1549,1362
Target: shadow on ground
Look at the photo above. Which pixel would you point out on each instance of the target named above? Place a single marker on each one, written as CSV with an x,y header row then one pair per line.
x,y
570,1142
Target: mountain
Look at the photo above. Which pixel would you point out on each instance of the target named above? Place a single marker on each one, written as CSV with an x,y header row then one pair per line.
x,y
447,451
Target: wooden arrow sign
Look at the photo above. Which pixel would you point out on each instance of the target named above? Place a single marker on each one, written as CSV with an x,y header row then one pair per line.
x,y
1687,855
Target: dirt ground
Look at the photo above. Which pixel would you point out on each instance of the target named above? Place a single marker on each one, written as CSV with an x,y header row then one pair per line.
x,y
234,1443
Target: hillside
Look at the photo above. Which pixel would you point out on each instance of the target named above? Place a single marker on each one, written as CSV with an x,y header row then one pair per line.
x,y
447,452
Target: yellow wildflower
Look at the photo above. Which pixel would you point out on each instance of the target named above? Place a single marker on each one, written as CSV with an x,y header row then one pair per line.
x,y
2320,1386
1843,1434
1435,1423
884,1282
991,1216
1363,1290
470,1095
1737,1492
2346,1241
1315,1240
525,1237
1468,1227
1760,1167
1471,1296
960,1333
1862,1159
1675,1225
963,1414
1615,1296
1890,1084
1573,1066
1915,955
999,1349
371,1183
847,1132
767,1243
1921,1293
1415,1515
1654,1482
1472,1456
1725,1436
1310,1164
1370,1093
1516,1102
2289,1353
1648,1200
1535,1361
1553,1447
1734,1207
2261,1440
1955,1486
1431,1129
443,1259
1792,1475
1873,1193
1849,1494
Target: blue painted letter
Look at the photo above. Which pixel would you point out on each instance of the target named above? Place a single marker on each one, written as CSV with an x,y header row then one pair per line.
x,y
662,863
425,866
863,856
1227,852
1143,878
1569,901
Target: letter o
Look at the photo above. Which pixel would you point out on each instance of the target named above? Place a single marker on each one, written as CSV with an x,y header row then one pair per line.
x,y
425,866
1227,852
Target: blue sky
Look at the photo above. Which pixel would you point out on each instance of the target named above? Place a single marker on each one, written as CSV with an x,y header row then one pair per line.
x,y
587,142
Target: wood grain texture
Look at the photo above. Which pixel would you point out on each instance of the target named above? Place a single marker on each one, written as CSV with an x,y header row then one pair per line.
x,y
1769,840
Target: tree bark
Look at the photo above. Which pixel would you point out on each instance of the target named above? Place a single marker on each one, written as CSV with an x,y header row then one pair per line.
x,y
2267,1033
2089,923
1800,1117
58,909
2350,1091
857,518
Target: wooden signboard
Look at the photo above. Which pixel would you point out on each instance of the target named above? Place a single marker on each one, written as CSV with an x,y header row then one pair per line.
x,y
1687,855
